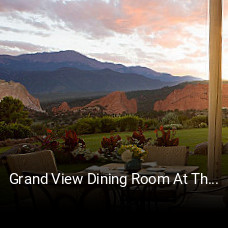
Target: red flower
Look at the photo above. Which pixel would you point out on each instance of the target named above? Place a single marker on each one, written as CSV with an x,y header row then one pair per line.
x,y
49,131
161,128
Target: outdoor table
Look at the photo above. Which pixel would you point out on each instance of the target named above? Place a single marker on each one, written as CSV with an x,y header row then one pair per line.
x,y
122,195
187,169
154,190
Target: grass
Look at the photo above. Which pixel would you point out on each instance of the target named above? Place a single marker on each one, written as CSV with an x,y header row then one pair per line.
x,y
188,137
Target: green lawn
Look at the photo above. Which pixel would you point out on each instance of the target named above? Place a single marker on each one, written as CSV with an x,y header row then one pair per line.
x,y
190,137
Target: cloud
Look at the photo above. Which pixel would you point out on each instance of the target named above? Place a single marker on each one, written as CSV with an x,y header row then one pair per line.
x,y
20,47
15,30
102,18
110,57
155,33
21,5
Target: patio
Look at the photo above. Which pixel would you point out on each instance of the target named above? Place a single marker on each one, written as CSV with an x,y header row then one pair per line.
x,y
139,196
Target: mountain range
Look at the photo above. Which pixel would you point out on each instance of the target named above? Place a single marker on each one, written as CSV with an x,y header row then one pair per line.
x,y
71,72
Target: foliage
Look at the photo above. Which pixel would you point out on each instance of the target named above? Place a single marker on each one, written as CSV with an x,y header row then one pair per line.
x,y
136,152
49,142
72,148
71,141
12,111
109,146
195,122
14,131
151,124
129,123
138,138
108,124
203,125
170,118
173,126
87,125
167,138
38,129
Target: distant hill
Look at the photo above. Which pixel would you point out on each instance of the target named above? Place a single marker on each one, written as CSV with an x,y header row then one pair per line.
x,y
113,103
66,80
190,97
70,71
145,98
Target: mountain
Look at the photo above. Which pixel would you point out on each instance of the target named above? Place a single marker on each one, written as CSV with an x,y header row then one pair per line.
x,y
190,97
156,75
113,103
145,98
70,71
16,90
66,80
116,103
55,60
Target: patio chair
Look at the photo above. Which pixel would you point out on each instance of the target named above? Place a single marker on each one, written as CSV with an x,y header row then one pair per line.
x,y
167,156
170,156
37,162
54,196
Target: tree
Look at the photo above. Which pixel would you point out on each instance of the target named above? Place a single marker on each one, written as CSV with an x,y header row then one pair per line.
x,y
12,111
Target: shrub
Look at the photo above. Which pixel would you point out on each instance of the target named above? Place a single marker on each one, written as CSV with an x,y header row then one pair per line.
x,y
202,125
151,124
71,141
173,126
87,125
38,129
138,138
196,121
16,131
20,131
109,147
5,132
129,123
167,138
71,150
170,118
108,124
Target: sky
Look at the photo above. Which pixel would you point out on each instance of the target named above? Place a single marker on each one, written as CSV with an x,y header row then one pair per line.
x,y
165,35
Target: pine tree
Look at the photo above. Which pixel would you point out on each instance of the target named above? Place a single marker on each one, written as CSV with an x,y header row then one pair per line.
x,y
12,111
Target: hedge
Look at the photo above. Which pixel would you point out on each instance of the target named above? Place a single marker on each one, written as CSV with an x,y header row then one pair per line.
x,y
89,125
15,131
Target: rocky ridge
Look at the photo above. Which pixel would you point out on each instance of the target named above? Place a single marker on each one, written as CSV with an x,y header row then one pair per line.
x,y
190,97
18,91
114,103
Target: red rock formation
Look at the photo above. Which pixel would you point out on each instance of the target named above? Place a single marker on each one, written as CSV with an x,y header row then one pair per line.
x,y
116,103
64,107
18,91
113,103
190,97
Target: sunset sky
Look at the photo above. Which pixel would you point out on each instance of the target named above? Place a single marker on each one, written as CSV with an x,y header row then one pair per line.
x,y
165,35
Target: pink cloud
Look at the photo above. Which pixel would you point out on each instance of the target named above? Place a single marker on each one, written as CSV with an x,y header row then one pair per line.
x,y
100,18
